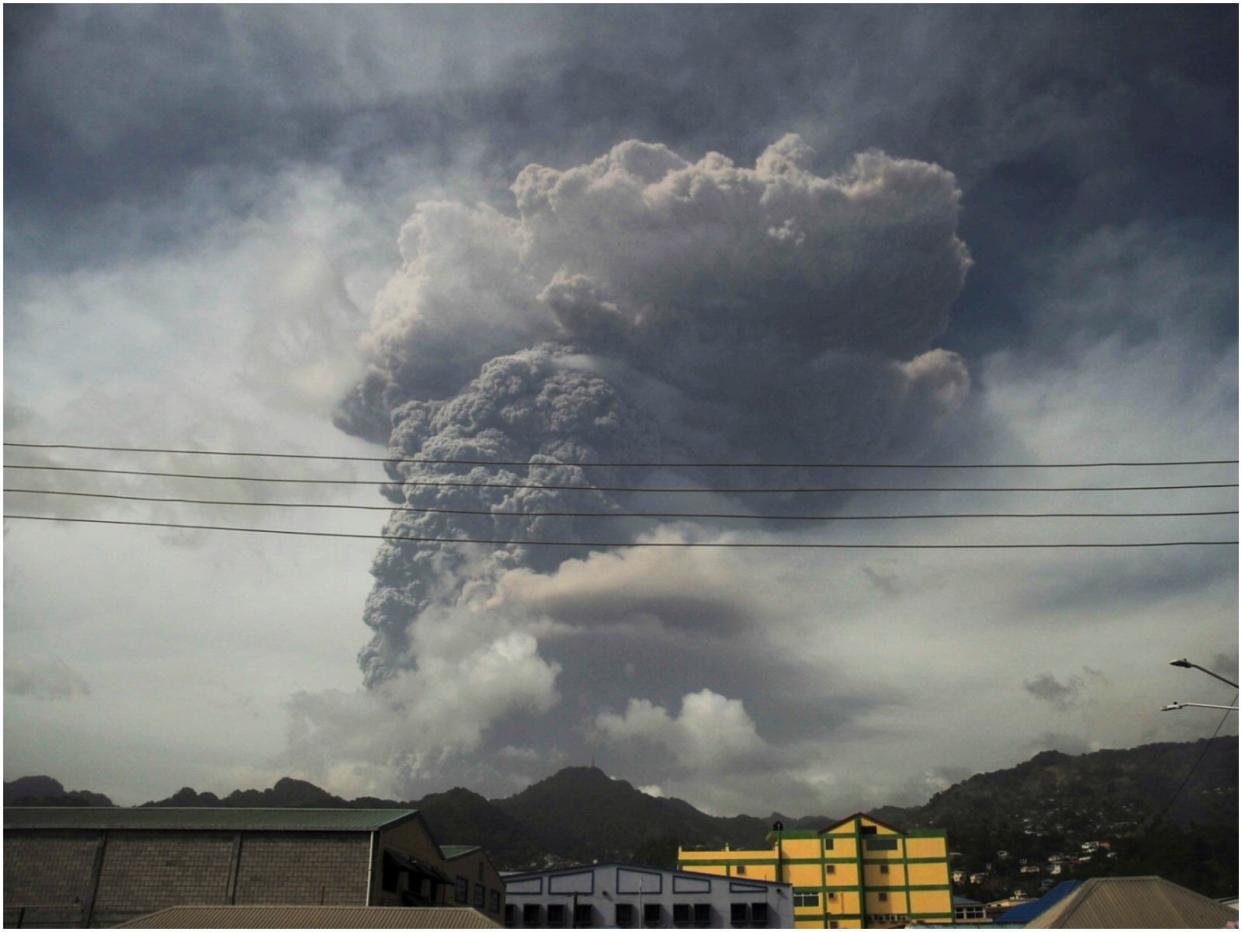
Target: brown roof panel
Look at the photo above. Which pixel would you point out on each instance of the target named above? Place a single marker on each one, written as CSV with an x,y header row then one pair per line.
x,y
1134,903
314,917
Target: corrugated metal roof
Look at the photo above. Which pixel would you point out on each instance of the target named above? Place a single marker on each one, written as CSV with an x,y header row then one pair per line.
x,y
204,819
1028,911
456,851
314,917
1134,903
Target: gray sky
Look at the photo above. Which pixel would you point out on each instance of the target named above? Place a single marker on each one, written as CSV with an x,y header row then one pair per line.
x,y
627,234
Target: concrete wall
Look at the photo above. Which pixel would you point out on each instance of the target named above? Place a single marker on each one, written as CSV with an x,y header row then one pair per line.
x,y
50,876
145,871
304,868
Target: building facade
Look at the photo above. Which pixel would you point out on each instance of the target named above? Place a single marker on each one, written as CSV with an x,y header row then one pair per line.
x,y
476,882
622,896
858,872
74,867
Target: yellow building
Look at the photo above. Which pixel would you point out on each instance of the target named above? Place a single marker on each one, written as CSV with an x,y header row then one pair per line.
x,y
856,873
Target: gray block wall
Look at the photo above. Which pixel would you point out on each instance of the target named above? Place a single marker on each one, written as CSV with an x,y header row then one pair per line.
x,y
304,868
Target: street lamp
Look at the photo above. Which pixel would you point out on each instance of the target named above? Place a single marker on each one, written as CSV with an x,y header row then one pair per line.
x,y
1186,664
1174,706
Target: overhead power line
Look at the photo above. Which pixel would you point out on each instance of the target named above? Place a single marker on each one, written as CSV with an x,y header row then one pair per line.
x,y
612,544
629,514
607,488
613,465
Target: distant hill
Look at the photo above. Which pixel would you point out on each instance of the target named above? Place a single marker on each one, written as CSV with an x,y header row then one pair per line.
x,y
287,793
1047,805
1118,789
582,814
44,791
1054,802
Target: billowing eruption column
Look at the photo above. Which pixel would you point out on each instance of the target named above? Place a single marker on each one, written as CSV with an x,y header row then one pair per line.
x,y
645,308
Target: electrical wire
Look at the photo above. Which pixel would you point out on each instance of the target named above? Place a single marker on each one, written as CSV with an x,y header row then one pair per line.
x,y
629,514
608,544
607,488
651,465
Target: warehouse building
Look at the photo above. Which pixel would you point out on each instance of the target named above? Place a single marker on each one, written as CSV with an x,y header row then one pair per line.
x,y
76,867
622,896
858,872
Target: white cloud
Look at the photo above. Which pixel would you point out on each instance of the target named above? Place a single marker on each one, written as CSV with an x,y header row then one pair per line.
x,y
471,672
711,731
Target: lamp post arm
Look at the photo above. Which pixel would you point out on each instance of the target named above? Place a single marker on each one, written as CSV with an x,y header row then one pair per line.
x,y
1175,706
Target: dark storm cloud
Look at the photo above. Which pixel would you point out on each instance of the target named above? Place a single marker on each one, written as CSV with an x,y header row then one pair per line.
x,y
1064,696
50,680
1053,119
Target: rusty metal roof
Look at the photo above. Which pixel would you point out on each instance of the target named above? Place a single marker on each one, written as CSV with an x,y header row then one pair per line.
x,y
1134,903
203,819
314,917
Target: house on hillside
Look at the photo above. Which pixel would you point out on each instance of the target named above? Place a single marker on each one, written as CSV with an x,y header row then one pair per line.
x,y
969,912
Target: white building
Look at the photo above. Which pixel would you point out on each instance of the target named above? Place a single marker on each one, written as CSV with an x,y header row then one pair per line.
x,y
621,896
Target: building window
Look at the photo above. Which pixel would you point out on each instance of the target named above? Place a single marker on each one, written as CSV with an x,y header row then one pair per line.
x,y
702,915
494,906
883,897
832,896
805,897
461,891
827,843
880,844
758,915
651,916
739,915
583,915
480,870
681,915
530,915
868,830
556,915
510,915
741,869
883,868
480,895
830,868
625,915
833,925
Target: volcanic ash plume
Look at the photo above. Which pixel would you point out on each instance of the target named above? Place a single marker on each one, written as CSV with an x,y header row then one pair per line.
x,y
640,308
